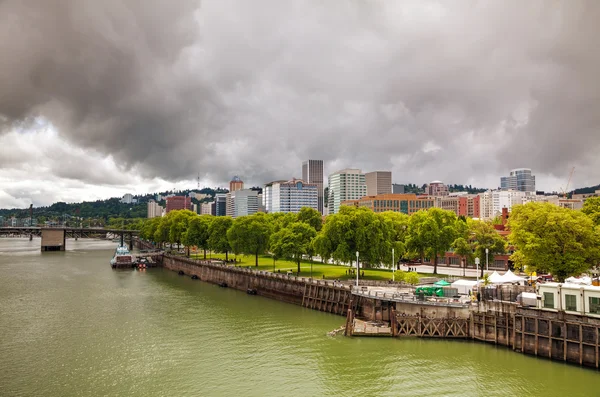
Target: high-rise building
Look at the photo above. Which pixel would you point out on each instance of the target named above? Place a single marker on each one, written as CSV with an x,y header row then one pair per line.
x,y
179,203
236,184
519,179
220,204
290,196
437,188
346,184
398,188
378,182
128,199
312,173
244,202
154,209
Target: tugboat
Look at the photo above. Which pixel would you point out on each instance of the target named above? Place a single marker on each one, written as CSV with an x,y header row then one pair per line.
x,y
122,257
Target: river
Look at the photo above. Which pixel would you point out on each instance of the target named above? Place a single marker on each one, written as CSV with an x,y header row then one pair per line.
x,y
72,326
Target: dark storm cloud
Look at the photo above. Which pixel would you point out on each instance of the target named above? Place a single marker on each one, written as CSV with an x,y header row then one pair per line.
x,y
460,91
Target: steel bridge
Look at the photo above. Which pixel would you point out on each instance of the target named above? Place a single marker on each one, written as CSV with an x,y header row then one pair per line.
x,y
53,238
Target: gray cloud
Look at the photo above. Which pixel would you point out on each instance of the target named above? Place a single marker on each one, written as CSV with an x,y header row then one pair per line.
x,y
459,91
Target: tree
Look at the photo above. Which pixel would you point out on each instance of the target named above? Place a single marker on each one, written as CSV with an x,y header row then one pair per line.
x,y
217,231
179,224
293,241
483,235
250,234
311,217
197,232
398,224
552,239
463,248
355,229
591,208
432,231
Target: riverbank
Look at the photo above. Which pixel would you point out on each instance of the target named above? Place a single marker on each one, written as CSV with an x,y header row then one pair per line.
x,y
569,338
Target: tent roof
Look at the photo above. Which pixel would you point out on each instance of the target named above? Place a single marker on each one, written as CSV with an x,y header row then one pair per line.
x,y
441,283
465,282
510,277
496,278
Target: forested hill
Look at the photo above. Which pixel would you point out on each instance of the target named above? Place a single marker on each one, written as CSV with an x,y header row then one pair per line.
x,y
103,209
584,190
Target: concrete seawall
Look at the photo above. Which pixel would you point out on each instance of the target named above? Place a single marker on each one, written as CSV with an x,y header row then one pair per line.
x,y
315,294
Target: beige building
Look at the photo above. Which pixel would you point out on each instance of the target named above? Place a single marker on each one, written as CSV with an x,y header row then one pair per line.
x,y
378,182
437,188
154,209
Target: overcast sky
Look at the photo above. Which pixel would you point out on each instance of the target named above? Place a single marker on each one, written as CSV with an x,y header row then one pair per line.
x,y
101,98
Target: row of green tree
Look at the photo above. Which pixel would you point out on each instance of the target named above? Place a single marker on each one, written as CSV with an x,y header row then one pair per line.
x,y
544,237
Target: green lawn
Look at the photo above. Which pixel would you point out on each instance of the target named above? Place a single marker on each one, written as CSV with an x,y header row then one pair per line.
x,y
319,270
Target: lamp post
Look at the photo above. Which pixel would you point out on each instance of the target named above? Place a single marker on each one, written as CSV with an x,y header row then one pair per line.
x,y
477,271
357,270
393,267
487,251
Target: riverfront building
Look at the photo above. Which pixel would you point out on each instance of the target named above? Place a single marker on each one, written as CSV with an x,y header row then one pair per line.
x,y
519,179
179,203
405,203
378,182
467,205
312,173
290,196
344,185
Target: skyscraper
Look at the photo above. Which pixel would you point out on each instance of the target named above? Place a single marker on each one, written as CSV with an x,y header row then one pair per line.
x,y
519,179
347,184
378,182
236,184
312,173
290,196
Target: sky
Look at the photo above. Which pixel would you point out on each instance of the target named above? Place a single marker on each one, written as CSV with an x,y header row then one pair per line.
x,y
103,98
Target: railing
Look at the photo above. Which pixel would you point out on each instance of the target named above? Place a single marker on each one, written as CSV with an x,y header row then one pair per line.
x,y
404,297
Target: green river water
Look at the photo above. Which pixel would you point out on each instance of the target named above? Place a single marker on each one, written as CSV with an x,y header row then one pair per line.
x,y
72,326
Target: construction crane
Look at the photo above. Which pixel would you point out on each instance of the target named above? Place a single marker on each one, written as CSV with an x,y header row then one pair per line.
x,y
566,189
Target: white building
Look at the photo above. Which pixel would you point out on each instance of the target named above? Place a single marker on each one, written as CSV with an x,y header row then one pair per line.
x,y
290,196
154,209
506,199
128,199
243,202
347,184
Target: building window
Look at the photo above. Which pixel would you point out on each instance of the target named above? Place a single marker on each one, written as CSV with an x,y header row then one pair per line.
x,y
594,305
548,300
571,303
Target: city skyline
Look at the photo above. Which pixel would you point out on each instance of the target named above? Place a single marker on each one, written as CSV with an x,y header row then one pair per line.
x,y
90,112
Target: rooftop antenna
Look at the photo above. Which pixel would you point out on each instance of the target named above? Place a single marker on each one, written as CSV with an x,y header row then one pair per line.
x,y
198,181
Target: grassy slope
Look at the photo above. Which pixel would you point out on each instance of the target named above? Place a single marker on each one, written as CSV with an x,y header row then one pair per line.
x,y
319,270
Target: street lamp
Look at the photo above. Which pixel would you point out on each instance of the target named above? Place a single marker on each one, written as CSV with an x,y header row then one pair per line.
x,y
357,269
487,251
393,267
477,271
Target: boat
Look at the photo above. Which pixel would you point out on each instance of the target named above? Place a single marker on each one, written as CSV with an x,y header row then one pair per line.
x,y
122,257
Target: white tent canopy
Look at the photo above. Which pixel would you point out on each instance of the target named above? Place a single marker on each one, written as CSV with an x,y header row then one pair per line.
x,y
496,278
510,277
464,286
581,280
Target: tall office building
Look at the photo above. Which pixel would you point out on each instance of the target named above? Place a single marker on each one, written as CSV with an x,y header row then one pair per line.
x,y
244,202
154,209
236,184
220,204
347,184
312,173
378,182
290,196
519,179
